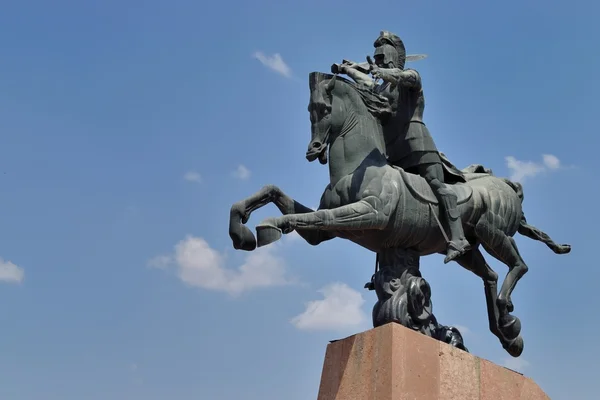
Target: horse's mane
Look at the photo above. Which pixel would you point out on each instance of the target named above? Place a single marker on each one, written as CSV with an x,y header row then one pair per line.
x,y
377,104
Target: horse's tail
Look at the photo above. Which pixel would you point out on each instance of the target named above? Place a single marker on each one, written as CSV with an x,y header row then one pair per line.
x,y
531,231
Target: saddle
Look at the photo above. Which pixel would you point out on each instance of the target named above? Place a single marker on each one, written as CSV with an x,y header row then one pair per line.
x,y
419,188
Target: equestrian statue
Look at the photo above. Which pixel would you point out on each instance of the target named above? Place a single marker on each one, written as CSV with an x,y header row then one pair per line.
x,y
392,192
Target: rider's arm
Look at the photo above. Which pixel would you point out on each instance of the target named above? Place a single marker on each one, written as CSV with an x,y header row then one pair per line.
x,y
407,78
358,77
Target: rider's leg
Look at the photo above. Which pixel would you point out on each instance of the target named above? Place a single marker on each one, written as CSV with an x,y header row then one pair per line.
x,y
434,175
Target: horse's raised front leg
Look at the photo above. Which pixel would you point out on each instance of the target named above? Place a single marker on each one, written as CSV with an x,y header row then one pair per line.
x,y
240,213
365,214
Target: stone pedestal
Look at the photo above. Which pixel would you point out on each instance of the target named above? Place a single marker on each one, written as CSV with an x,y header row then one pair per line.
x,y
392,362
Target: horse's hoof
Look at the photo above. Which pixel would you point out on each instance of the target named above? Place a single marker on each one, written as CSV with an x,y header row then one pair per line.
x,y
510,326
267,234
515,346
242,237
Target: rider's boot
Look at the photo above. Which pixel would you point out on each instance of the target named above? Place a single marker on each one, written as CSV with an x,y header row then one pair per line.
x,y
458,244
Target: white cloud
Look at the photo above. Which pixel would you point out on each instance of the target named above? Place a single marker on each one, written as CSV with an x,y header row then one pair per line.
x,y
11,273
521,170
241,172
340,308
550,161
274,62
192,176
199,265
516,364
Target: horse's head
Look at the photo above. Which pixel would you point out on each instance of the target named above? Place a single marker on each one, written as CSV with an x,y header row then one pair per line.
x,y
323,120
332,100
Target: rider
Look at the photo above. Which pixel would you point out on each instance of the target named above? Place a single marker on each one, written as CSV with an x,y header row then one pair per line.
x,y
408,141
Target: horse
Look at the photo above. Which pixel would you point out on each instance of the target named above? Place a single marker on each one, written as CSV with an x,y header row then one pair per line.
x,y
380,206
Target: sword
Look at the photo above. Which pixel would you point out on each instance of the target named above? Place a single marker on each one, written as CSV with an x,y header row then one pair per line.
x,y
364,67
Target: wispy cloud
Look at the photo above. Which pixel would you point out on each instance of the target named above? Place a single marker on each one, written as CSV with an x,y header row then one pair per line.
x,y
241,172
10,272
197,264
340,308
192,176
274,62
551,161
521,170
516,364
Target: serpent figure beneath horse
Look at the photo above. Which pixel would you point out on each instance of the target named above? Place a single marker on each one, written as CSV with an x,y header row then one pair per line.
x,y
382,207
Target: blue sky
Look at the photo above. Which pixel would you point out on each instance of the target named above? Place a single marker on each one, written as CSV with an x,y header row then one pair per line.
x,y
127,130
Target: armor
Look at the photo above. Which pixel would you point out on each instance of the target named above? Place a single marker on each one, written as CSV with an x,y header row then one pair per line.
x,y
408,141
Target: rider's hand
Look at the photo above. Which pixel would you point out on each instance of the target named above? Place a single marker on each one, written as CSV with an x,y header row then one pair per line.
x,y
375,71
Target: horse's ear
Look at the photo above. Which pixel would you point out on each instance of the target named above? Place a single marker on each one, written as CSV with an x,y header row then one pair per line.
x,y
330,85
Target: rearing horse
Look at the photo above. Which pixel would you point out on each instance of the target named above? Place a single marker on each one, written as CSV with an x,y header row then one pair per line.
x,y
380,206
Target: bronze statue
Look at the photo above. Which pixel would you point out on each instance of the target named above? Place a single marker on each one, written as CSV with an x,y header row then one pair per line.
x,y
394,213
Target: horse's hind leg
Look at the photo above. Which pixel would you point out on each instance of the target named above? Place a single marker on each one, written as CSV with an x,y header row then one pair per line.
x,y
515,273
508,253
503,248
475,262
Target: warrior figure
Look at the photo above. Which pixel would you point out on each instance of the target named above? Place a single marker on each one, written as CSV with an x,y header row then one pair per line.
x,y
408,141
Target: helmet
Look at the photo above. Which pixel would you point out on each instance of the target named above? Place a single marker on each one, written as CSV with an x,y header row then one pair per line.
x,y
391,47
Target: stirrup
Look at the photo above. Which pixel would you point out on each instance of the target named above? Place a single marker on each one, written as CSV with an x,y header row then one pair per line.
x,y
454,251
